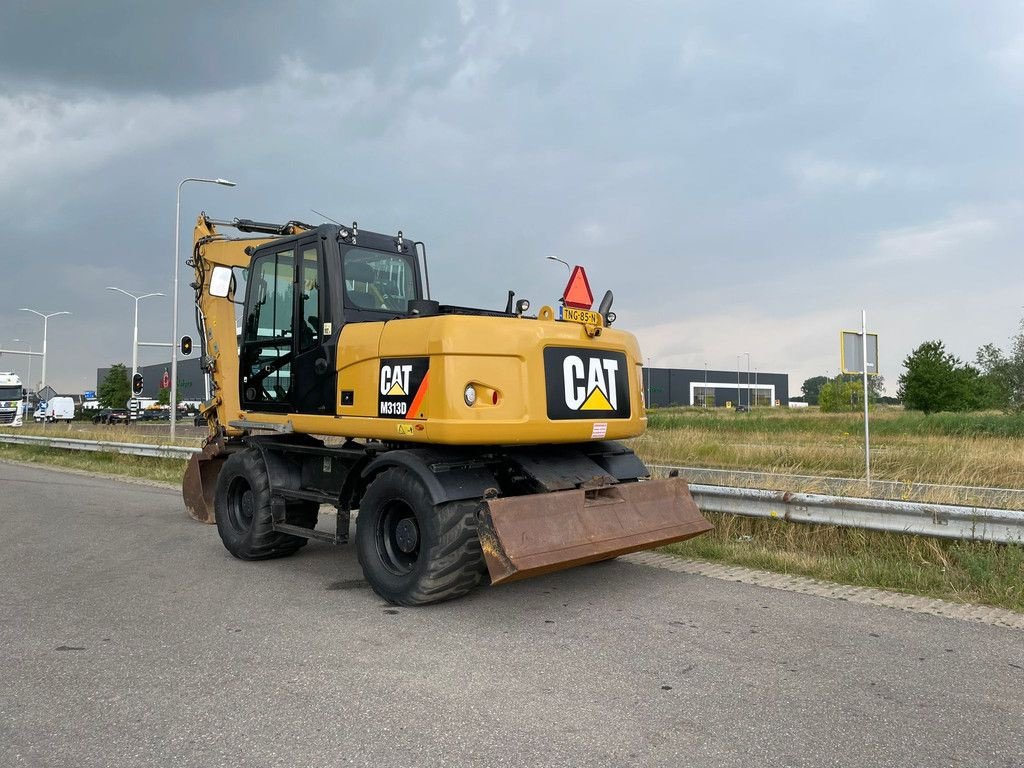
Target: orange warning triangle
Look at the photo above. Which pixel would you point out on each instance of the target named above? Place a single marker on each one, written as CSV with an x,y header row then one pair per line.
x,y
596,402
577,291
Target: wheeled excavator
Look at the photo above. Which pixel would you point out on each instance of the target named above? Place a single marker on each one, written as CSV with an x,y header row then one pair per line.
x,y
471,444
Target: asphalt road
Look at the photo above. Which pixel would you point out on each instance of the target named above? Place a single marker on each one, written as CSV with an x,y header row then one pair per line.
x,y
131,638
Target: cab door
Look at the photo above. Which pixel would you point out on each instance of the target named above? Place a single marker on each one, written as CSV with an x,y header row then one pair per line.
x,y
285,365
313,368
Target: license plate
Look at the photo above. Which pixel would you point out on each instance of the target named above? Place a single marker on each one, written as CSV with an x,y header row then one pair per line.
x,y
573,315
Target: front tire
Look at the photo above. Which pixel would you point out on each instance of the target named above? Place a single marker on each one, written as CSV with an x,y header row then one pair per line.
x,y
412,552
244,518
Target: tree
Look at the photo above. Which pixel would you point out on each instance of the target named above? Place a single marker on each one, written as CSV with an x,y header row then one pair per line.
x,y
840,395
1002,376
115,389
812,388
935,380
876,388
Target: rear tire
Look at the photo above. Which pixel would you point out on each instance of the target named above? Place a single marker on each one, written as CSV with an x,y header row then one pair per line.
x,y
412,552
242,504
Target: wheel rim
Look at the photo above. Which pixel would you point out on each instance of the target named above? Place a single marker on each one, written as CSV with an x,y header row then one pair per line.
x,y
240,504
397,537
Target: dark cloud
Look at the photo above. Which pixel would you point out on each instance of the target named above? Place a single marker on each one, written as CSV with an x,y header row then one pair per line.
x,y
191,46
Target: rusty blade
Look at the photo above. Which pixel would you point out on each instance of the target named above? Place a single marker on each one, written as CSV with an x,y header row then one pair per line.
x,y
523,536
200,482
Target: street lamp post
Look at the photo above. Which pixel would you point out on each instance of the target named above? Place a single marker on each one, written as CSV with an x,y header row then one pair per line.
x,y
705,383
739,395
46,318
135,335
650,373
748,379
174,312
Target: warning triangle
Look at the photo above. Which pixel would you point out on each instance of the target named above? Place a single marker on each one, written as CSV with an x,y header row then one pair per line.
x,y
396,391
596,402
577,291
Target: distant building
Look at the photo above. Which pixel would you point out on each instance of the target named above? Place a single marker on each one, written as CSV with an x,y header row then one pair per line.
x,y
190,379
664,387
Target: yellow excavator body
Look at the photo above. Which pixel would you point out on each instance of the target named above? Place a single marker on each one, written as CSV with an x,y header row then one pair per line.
x,y
336,380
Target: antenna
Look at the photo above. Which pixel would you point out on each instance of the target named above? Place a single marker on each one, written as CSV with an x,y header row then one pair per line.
x,y
314,210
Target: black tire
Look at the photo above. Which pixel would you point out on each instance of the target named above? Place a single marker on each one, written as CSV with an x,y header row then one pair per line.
x,y
411,552
242,504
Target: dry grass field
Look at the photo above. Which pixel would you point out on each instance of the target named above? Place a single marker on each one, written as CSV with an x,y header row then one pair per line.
x,y
951,449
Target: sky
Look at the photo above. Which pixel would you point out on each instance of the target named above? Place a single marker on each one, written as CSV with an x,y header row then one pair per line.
x,y
746,177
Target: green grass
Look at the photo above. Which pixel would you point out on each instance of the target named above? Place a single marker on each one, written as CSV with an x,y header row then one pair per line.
x,y
159,470
975,572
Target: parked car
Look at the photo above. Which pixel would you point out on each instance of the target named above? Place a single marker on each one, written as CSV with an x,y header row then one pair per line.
x,y
155,414
111,416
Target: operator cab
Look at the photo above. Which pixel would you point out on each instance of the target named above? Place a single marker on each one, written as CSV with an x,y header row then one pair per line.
x,y
301,291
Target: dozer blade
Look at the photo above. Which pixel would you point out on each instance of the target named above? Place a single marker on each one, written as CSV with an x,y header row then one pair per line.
x,y
523,536
200,482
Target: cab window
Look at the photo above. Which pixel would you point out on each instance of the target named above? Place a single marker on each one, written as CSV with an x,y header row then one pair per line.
x,y
379,281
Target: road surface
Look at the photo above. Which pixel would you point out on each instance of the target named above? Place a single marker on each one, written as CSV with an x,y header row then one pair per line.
x,y
131,638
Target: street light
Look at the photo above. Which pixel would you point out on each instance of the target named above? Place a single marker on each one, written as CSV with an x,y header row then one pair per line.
x,y
46,319
174,313
739,396
748,379
650,374
560,261
135,336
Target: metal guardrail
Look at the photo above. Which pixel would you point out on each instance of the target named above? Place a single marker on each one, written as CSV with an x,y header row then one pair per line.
x,y
133,449
975,496
947,521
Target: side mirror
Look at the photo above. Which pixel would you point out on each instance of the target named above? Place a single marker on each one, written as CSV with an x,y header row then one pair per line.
x,y
220,282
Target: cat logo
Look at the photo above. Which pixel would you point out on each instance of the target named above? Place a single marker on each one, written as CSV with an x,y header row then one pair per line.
x,y
585,384
589,387
394,380
403,387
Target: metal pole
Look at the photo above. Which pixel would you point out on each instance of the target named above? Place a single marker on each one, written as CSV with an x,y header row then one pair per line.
x,y
748,380
174,312
867,430
738,380
135,342
649,373
705,383
174,315
43,378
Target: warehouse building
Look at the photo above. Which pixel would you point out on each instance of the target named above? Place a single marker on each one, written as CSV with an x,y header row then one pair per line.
x,y
664,387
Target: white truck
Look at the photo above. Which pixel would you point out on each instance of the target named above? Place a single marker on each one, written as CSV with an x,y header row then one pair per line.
x,y
12,400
